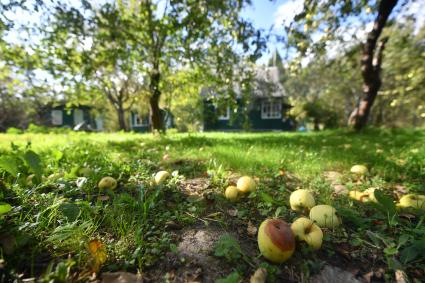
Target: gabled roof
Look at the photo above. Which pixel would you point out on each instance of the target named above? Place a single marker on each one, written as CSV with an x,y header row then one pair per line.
x,y
266,84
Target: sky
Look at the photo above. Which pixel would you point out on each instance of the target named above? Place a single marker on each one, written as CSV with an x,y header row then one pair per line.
x,y
266,14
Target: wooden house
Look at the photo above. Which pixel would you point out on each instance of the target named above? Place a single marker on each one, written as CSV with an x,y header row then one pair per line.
x,y
267,108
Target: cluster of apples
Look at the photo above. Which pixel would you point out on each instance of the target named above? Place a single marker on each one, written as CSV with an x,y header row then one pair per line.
x,y
243,186
110,183
368,195
276,238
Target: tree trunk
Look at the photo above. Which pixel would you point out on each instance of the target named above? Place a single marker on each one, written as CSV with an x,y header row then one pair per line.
x,y
156,118
316,124
371,66
121,118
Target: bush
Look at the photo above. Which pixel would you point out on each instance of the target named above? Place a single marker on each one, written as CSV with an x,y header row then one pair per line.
x,y
13,131
36,129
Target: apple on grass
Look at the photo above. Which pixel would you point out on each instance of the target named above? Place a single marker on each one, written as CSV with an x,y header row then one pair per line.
x,y
276,240
301,199
359,170
246,184
231,193
305,230
161,176
324,216
107,183
412,200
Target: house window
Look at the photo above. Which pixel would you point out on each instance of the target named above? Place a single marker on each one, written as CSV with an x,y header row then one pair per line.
x,y
140,121
223,112
271,110
57,117
78,116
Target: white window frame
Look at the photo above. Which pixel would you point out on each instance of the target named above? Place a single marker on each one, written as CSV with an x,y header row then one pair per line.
x,y
271,110
225,117
135,124
57,117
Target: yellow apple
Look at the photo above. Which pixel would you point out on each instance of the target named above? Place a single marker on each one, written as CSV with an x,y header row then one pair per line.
x,y
324,216
276,240
359,170
305,230
246,184
231,193
107,183
359,196
161,176
412,200
301,199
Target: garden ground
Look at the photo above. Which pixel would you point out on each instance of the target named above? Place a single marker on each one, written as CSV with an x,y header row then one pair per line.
x,y
62,227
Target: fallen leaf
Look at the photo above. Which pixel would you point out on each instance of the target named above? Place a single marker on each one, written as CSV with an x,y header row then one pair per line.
x,y
232,212
333,177
259,276
98,253
340,190
400,276
251,229
121,277
103,198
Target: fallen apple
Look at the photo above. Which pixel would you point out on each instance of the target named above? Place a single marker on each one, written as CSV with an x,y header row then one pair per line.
x,y
276,240
301,199
412,200
359,170
324,216
305,230
161,176
246,184
359,196
231,193
85,172
370,193
107,183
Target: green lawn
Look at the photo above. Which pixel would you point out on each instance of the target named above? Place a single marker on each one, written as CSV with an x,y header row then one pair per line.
x,y
58,211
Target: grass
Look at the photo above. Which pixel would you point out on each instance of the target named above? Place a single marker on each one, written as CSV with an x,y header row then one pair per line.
x,y
60,210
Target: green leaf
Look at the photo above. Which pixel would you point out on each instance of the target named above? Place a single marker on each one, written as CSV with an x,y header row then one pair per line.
x,y
412,251
9,164
386,202
70,211
5,208
265,197
34,162
233,277
228,247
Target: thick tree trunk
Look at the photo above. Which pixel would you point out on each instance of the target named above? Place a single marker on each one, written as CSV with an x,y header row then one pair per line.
x,y
371,66
121,118
155,112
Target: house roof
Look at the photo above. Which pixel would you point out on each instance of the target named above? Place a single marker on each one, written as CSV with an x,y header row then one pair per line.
x,y
267,84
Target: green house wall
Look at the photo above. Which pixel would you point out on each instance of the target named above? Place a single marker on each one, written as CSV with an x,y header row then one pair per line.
x,y
237,120
68,116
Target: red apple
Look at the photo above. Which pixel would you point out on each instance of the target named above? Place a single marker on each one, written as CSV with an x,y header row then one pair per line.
x,y
276,240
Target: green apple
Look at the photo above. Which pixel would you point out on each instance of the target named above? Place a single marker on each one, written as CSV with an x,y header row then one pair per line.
x,y
231,193
161,176
305,230
324,216
107,183
276,240
246,184
301,199
359,170
412,200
